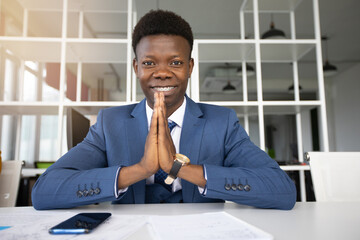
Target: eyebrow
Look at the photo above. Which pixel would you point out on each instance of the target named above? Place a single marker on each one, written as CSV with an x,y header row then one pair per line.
x,y
152,56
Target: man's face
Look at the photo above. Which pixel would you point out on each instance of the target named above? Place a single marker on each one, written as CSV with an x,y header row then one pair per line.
x,y
163,64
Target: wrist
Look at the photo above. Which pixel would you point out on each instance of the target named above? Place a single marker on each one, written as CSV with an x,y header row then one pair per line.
x,y
144,170
179,161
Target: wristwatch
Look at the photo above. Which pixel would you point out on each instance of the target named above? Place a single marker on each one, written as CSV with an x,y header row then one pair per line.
x,y
179,161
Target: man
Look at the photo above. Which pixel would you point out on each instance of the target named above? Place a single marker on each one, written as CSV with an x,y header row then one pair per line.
x,y
131,149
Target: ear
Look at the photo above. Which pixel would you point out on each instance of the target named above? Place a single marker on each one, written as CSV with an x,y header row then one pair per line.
x,y
191,66
135,66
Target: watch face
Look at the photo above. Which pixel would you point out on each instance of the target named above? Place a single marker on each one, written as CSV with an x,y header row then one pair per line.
x,y
182,158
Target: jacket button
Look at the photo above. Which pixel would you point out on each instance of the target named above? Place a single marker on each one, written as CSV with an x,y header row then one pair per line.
x,y
91,192
97,191
79,194
240,187
233,186
86,193
227,186
247,187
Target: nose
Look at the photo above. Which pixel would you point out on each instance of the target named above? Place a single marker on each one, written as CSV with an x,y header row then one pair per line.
x,y
163,73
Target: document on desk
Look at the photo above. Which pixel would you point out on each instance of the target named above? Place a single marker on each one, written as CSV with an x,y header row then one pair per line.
x,y
204,226
36,226
218,225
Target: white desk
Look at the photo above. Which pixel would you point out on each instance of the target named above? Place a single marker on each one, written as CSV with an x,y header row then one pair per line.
x,y
32,172
308,220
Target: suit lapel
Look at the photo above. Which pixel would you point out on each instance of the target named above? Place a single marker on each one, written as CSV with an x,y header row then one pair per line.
x,y
137,130
191,135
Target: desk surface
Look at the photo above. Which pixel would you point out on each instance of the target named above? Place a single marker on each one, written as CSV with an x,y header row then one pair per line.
x,y
308,220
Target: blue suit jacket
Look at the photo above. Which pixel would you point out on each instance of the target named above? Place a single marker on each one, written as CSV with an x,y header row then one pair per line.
x,y
211,136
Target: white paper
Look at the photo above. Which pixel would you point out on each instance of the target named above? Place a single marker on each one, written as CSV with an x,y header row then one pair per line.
x,y
17,218
32,226
219,225
117,227
36,226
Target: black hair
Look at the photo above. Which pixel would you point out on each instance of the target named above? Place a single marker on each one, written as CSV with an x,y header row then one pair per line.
x,y
158,22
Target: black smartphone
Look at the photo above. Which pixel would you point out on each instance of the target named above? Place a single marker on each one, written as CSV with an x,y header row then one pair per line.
x,y
80,223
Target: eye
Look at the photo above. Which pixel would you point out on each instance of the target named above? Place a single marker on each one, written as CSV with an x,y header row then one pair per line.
x,y
176,63
148,63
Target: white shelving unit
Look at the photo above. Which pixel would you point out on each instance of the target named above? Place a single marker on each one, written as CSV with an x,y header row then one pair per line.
x,y
85,50
260,51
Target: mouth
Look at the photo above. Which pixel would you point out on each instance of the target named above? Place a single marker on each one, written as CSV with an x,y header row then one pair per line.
x,y
162,89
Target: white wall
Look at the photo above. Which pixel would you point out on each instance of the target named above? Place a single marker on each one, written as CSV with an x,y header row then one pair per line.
x,y
346,110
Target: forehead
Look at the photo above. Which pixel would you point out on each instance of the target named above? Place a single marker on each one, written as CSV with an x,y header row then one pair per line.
x,y
163,44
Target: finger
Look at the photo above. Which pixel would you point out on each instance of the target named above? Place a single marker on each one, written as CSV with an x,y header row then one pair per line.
x,y
163,105
156,99
154,121
162,123
164,119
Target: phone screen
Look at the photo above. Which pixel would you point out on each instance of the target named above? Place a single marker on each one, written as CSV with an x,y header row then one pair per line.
x,y
80,223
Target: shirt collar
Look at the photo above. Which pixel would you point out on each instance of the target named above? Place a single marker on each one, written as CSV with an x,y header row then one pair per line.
x,y
177,116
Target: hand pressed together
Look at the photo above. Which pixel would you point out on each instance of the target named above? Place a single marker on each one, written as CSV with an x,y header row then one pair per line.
x,y
159,152
159,147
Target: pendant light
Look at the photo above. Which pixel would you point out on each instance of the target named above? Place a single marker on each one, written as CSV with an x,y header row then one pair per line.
x,y
228,88
250,71
291,88
273,33
328,68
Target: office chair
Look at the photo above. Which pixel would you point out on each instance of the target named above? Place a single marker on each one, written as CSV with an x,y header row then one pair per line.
x,y
9,182
335,175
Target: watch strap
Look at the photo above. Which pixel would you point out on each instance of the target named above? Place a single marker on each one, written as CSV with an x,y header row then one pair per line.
x,y
179,161
173,172
175,168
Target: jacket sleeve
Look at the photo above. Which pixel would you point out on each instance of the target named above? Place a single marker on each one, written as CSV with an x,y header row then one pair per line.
x,y
252,176
82,176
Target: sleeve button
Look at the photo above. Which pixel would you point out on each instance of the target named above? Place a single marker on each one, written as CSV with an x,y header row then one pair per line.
x,y
91,192
97,191
79,193
86,193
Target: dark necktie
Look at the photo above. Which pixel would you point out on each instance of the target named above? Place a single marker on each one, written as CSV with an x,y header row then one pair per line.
x,y
161,175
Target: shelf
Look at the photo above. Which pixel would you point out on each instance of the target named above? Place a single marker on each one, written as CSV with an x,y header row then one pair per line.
x,y
96,50
42,108
270,107
115,50
29,108
244,50
84,50
93,108
225,51
76,5
288,107
33,49
295,167
285,50
32,172
272,5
